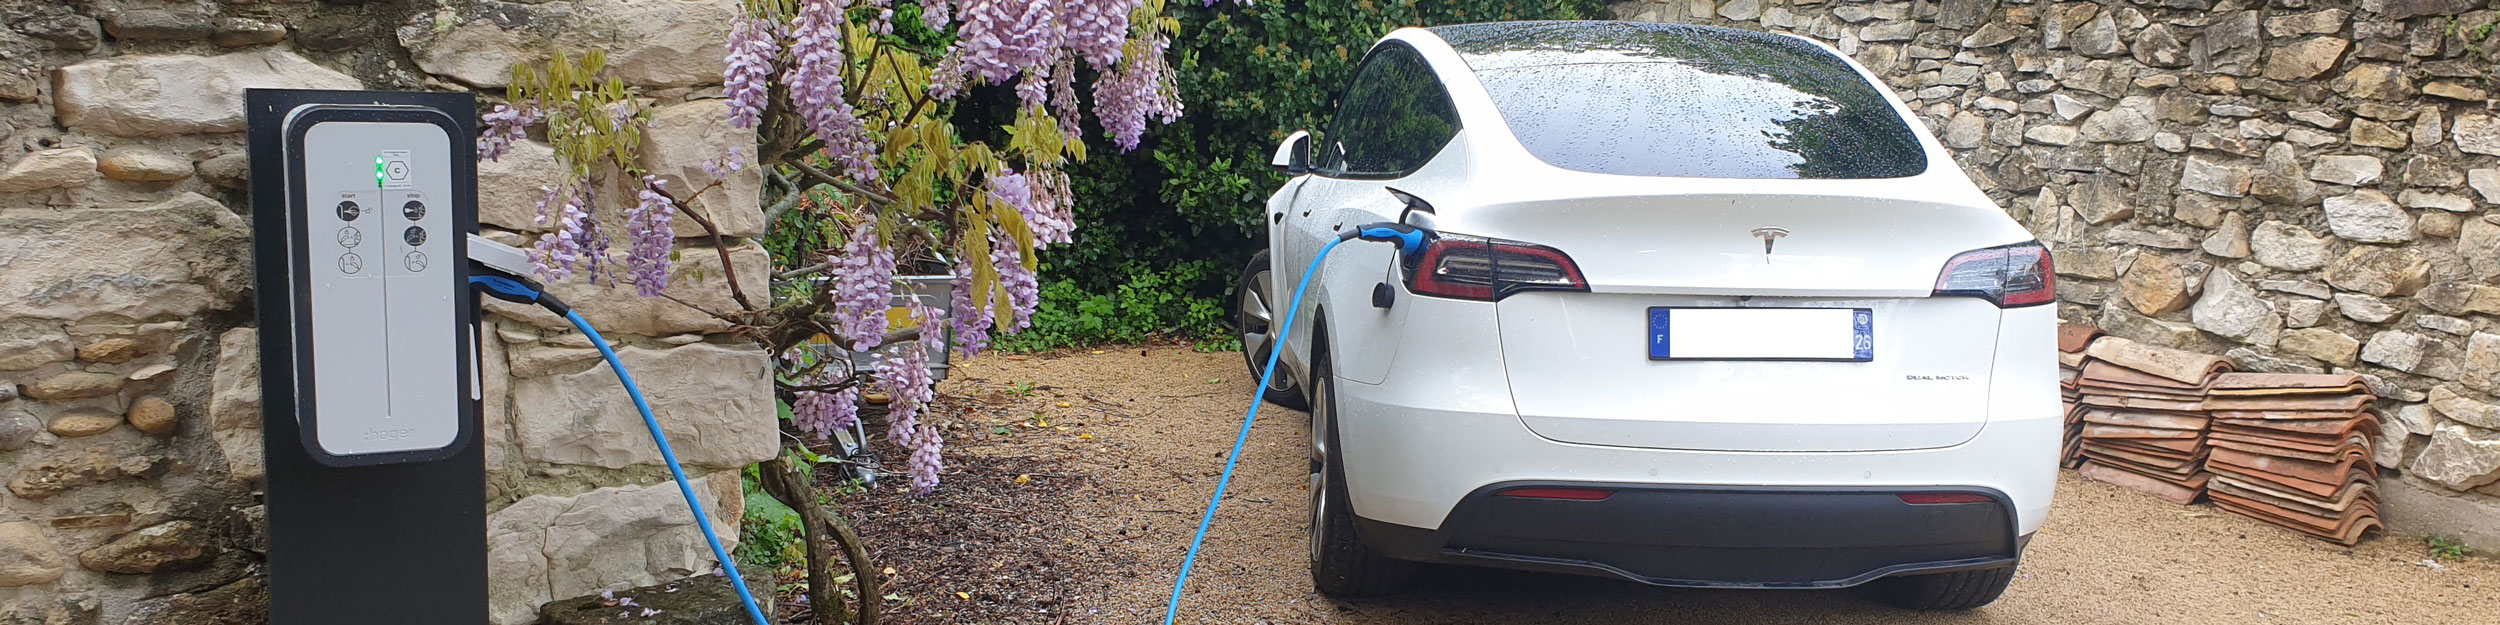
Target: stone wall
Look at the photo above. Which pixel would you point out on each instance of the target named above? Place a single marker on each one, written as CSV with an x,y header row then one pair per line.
x,y
129,401
2302,185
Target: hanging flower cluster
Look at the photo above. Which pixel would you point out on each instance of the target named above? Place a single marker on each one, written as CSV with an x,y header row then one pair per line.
x,y
753,42
819,414
863,283
1035,43
815,82
647,223
971,321
505,124
574,237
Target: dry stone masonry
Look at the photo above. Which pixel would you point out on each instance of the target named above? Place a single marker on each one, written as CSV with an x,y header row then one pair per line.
x,y
2297,185
130,439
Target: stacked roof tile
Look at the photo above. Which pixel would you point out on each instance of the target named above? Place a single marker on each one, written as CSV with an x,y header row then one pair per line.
x,y
2296,450
2143,423
2293,450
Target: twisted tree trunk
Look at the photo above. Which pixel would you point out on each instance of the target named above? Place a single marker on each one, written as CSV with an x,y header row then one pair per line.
x,y
824,532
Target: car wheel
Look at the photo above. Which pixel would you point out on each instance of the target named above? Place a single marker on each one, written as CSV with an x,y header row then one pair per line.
x,y
1959,590
1341,565
1257,325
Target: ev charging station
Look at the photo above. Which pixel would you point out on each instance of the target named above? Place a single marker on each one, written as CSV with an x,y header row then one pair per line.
x,y
362,203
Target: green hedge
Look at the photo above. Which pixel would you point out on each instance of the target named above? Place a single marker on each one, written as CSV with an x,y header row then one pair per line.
x,y
1181,214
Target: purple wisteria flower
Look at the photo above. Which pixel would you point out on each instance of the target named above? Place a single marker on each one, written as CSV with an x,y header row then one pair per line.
x,y
863,284
753,42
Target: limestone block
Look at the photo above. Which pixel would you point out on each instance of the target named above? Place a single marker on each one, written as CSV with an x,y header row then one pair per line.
x,y
2482,363
696,279
68,468
2378,135
2130,122
2231,309
138,165
2052,135
179,94
2478,240
2460,457
2305,59
27,556
2287,247
2278,179
2395,349
169,546
2477,132
2368,216
2230,238
2324,345
2485,182
1741,10
234,403
677,143
2460,298
715,403
545,547
2347,170
2154,285
2464,409
2433,200
178,258
2374,81
2156,46
2230,46
2119,321
2213,178
663,43
510,186
2380,271
27,344
74,385
48,169
2326,22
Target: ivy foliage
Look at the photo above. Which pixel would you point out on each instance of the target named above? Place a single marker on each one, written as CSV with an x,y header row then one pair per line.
x,y
1182,214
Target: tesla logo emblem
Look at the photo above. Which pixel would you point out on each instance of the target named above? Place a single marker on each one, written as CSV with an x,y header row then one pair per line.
x,y
1770,235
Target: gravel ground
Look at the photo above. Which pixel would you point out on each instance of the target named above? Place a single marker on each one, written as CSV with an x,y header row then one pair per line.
x,y
1085,473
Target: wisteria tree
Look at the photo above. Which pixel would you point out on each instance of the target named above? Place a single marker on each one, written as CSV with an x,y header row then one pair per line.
x,y
857,129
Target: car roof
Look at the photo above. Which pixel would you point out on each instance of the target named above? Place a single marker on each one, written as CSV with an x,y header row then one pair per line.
x,y
1505,45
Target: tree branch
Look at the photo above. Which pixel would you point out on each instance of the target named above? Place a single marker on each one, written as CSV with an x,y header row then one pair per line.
x,y
838,183
720,246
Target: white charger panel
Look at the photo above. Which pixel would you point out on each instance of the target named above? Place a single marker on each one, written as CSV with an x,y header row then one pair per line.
x,y
380,374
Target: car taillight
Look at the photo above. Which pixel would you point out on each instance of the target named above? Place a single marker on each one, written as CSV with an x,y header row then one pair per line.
x,y
2007,275
1469,267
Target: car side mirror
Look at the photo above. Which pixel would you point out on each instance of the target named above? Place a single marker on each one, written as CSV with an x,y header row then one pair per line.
x,y
1294,156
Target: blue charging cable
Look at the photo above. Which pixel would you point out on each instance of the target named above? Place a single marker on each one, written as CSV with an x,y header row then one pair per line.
x,y
1409,240
522,291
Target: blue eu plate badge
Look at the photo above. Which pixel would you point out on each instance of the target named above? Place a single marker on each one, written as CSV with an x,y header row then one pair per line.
x,y
1741,333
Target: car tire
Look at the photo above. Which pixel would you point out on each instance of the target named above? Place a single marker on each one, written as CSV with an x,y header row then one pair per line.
x,y
1958,590
1255,323
1342,566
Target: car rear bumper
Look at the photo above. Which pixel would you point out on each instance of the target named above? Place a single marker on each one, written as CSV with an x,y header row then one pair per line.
x,y
1715,536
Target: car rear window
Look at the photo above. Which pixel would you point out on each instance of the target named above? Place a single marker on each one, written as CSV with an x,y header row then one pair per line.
x,y
1687,101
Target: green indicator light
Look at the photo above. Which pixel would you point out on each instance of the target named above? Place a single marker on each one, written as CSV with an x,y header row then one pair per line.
x,y
377,170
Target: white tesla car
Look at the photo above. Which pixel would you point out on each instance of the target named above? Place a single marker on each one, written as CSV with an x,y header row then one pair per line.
x,y
1701,307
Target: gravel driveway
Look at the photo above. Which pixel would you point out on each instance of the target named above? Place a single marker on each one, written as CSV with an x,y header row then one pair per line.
x,y
1135,438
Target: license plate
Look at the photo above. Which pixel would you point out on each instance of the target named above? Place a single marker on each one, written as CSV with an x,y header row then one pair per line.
x,y
1838,334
